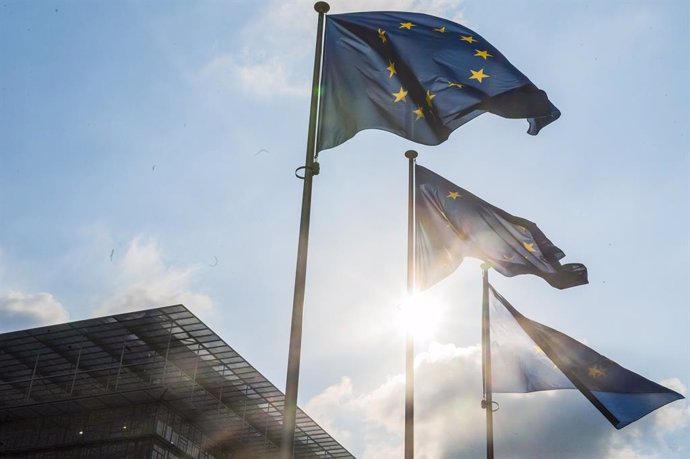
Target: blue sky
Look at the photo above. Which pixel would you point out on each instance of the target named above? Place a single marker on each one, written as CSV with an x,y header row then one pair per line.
x,y
147,152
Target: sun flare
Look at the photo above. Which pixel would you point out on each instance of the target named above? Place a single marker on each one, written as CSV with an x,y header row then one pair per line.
x,y
420,315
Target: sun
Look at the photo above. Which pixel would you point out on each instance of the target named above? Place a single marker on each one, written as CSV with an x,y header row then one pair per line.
x,y
420,314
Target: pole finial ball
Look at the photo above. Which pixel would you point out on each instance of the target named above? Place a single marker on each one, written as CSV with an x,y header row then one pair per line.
x,y
410,154
322,7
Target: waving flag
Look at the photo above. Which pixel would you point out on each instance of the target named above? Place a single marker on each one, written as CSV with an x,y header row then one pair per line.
x,y
527,356
452,223
418,76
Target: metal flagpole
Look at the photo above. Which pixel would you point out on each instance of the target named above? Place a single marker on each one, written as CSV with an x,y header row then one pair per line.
x,y
310,169
409,350
487,402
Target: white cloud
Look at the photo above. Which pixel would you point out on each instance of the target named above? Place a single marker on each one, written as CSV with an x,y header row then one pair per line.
x,y
142,280
278,46
627,452
263,78
450,423
19,310
677,415
139,278
319,408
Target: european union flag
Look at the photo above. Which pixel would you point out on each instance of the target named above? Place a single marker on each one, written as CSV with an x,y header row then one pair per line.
x,y
452,223
417,76
527,356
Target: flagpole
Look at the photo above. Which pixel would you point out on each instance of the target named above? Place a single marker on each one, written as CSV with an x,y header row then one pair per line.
x,y
487,402
409,349
310,169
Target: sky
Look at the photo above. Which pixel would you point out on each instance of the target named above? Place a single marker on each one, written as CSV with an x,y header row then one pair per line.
x,y
147,157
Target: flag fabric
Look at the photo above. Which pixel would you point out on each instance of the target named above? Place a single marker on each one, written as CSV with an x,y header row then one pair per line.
x,y
527,356
418,76
452,223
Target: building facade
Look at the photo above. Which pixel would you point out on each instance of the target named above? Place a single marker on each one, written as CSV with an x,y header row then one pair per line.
x,y
149,384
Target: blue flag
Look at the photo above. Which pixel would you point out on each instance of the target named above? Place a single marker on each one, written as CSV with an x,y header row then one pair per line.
x,y
417,76
452,223
527,356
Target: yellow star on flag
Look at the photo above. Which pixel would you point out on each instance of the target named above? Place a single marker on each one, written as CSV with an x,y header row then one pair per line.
x,y
596,371
457,85
441,30
453,195
407,25
478,75
529,246
391,68
382,35
429,97
484,54
419,113
469,39
400,95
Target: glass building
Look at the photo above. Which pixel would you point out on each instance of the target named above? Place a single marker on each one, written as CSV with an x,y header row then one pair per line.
x,y
150,384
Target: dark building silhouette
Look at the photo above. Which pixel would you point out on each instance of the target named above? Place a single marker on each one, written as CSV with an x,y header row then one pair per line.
x,y
149,384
